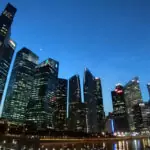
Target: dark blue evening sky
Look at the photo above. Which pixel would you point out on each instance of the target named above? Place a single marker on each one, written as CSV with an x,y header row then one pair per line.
x,y
110,37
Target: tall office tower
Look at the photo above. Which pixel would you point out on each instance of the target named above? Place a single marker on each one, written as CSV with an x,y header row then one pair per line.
x,y
109,123
141,117
76,107
133,96
6,54
148,87
20,85
94,103
60,112
99,106
89,99
119,109
7,46
43,98
6,20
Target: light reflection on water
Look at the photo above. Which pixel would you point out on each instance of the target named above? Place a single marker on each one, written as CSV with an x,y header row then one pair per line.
x,y
110,145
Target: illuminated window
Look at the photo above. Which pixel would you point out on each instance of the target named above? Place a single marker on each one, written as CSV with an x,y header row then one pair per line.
x,y
56,65
7,14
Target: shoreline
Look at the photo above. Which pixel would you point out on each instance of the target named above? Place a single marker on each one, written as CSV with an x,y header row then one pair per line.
x,y
70,139
90,139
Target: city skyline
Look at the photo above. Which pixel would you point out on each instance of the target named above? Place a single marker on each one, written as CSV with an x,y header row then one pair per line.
x,y
108,81
41,107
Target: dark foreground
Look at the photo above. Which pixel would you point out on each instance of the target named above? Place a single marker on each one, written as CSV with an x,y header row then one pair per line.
x,y
34,144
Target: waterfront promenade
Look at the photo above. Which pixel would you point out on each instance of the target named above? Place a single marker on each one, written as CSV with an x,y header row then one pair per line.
x,y
71,139
48,143
46,139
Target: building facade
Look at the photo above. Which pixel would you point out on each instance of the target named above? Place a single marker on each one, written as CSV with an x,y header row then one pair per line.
x,y
148,88
7,46
60,111
6,54
43,98
99,106
20,85
133,96
119,109
76,107
6,20
141,117
89,99
109,124
94,103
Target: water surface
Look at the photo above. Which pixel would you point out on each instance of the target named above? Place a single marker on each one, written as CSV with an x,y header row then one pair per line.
x,y
14,144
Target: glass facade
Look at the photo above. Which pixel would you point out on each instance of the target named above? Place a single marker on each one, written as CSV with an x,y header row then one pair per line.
x,y
89,99
94,103
6,54
6,20
99,106
148,88
7,46
60,111
141,113
133,96
119,109
20,85
76,107
109,123
43,98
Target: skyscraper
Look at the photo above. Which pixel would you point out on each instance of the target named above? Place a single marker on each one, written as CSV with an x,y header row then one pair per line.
x,y
89,99
6,20
133,96
141,117
20,85
148,87
6,54
43,98
99,106
119,109
60,111
109,123
7,46
76,107
94,102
